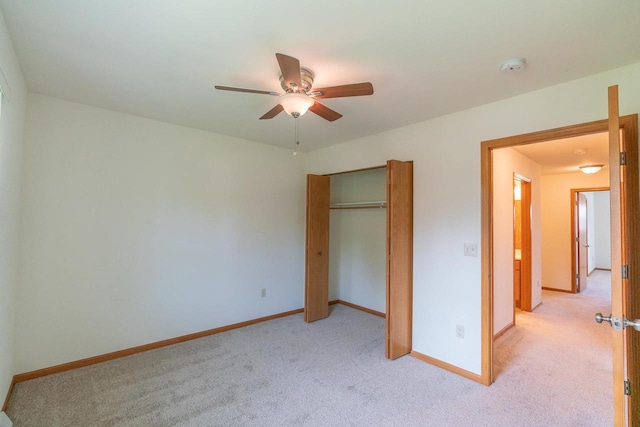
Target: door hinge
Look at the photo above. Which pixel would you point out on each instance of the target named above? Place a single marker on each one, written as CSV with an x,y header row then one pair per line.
x,y
625,271
623,158
627,388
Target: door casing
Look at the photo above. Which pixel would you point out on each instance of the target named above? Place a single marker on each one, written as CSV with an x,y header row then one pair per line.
x,y
629,125
399,256
525,263
574,254
583,248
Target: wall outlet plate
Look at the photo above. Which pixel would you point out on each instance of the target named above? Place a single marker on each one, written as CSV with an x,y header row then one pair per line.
x,y
460,331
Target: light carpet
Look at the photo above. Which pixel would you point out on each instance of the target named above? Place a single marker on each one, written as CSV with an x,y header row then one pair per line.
x,y
553,369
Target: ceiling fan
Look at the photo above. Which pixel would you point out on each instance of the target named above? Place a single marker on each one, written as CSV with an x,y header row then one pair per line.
x,y
300,95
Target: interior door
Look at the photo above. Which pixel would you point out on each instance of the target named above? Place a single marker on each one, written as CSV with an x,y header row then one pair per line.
x,y
625,295
526,303
582,240
316,289
399,258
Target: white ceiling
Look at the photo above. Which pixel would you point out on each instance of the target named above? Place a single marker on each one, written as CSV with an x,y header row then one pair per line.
x,y
160,59
567,155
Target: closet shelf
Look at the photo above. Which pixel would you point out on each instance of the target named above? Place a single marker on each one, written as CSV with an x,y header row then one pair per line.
x,y
360,205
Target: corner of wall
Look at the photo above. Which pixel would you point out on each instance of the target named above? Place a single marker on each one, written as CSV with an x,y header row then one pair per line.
x,y
12,122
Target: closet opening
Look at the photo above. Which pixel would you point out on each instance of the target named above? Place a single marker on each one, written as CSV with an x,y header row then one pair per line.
x,y
359,249
357,239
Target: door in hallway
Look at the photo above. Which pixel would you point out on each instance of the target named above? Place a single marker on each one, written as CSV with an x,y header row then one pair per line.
x,y
582,243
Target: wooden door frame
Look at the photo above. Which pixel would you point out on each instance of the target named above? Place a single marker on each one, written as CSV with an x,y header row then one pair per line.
x,y
516,177
404,320
486,181
574,255
525,248
525,258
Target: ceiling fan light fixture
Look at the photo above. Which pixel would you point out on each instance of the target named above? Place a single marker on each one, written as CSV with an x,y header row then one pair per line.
x,y
295,102
590,169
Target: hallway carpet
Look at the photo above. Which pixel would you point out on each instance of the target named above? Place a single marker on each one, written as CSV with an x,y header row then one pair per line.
x,y
553,369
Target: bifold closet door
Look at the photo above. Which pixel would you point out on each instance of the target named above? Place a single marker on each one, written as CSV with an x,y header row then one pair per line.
x,y
399,258
316,288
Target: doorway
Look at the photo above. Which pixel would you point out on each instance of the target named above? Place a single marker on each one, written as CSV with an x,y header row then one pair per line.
x,y
399,252
586,203
624,207
521,243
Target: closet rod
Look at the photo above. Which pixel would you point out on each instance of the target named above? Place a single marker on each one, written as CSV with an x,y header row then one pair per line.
x,y
359,205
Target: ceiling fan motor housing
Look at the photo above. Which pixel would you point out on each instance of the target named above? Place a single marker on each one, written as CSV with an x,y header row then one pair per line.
x,y
306,76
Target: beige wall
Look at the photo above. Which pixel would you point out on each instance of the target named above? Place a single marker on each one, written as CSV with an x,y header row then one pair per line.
x,y
446,155
358,237
602,229
506,162
556,224
137,231
591,231
12,119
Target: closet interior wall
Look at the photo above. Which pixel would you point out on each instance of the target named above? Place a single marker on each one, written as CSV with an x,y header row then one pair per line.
x,y
357,248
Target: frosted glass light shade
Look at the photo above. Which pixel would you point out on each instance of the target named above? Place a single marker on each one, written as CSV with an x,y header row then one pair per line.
x,y
295,103
591,169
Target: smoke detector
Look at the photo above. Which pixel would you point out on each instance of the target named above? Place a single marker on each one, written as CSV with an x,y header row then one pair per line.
x,y
513,65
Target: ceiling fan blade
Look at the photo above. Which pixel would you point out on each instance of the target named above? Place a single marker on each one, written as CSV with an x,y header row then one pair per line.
x,y
325,112
356,89
239,89
290,68
272,113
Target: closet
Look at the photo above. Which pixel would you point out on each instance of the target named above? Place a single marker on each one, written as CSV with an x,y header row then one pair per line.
x,y
367,217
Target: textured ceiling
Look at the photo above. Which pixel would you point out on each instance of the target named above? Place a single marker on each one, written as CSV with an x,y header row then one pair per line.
x,y
161,59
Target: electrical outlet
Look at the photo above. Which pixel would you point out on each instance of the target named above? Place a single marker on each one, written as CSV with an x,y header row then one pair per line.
x,y
263,292
470,249
460,331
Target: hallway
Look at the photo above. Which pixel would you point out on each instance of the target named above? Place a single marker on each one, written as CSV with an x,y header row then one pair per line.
x,y
561,353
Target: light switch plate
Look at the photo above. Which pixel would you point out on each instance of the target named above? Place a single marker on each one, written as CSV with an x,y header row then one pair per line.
x,y
470,249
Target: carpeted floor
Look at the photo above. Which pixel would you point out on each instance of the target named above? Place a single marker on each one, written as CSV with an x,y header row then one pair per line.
x,y
333,373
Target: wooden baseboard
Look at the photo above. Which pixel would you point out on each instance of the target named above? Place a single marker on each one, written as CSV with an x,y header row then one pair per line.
x,y
6,399
139,349
448,367
359,307
503,330
556,290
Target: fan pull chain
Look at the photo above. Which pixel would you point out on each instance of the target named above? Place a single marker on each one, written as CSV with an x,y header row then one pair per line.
x,y
295,147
